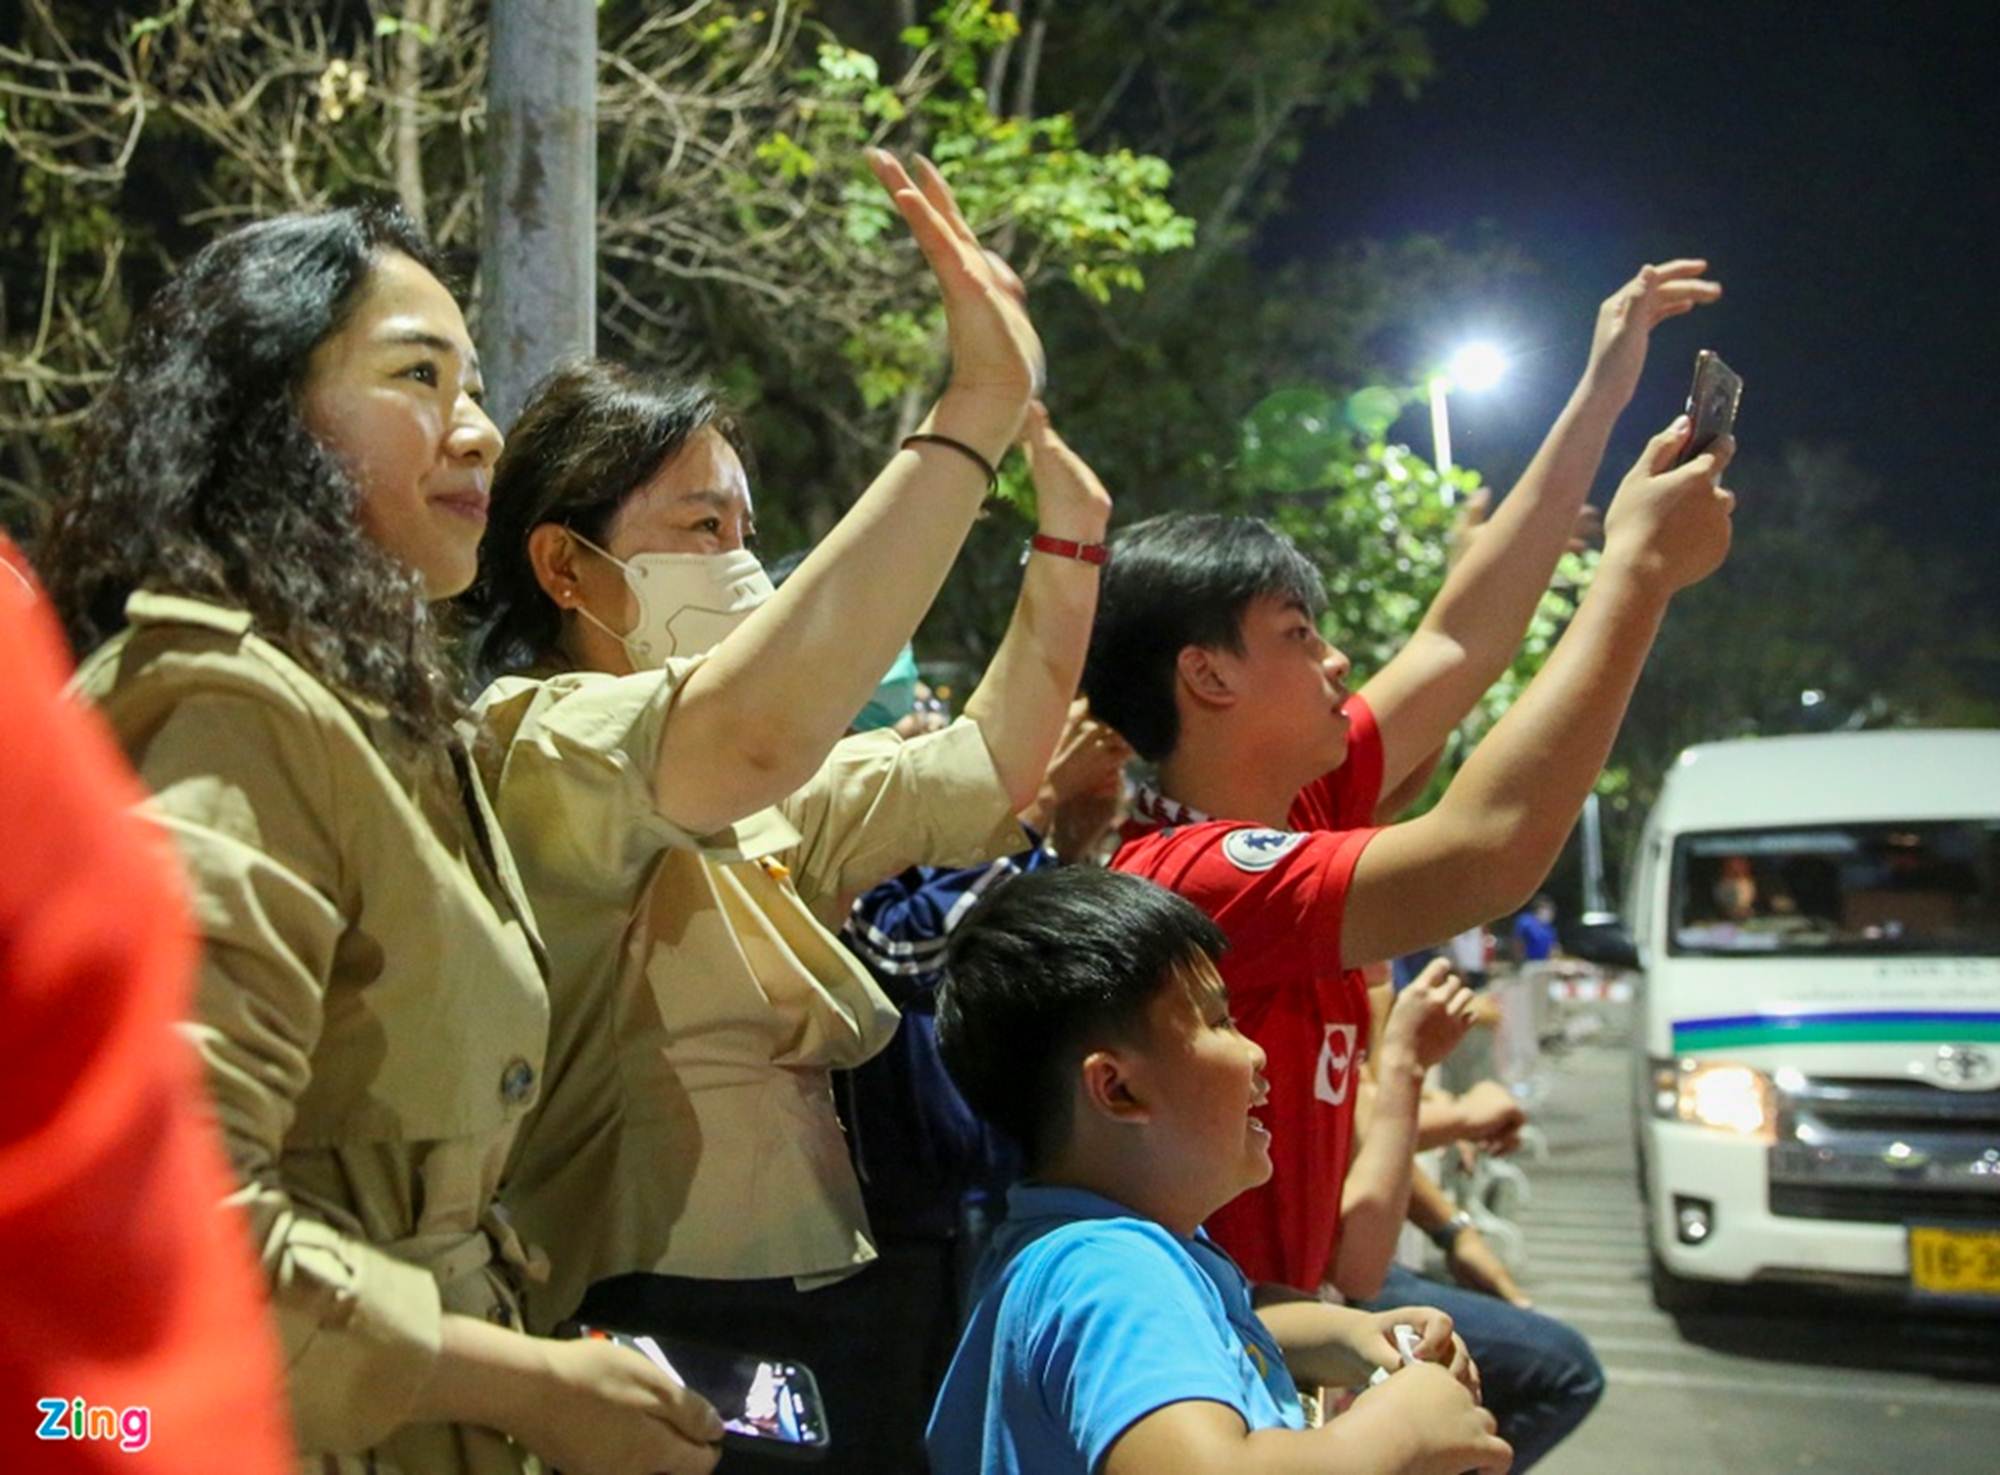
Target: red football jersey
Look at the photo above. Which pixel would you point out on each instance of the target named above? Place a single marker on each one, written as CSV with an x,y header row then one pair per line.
x,y
1280,896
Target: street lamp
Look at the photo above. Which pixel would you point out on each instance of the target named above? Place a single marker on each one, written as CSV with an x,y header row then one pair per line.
x,y
1476,368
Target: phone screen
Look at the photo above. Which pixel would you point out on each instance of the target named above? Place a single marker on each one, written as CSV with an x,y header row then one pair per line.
x,y
764,1399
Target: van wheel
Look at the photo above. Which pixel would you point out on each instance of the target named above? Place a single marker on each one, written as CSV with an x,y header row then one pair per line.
x,y
1675,1294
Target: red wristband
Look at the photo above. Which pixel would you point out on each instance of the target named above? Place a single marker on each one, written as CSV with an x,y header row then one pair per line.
x,y
1097,553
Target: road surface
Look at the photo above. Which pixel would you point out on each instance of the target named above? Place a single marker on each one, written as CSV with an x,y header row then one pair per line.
x,y
1756,1391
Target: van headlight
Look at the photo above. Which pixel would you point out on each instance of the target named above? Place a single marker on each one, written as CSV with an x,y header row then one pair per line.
x,y
1721,1094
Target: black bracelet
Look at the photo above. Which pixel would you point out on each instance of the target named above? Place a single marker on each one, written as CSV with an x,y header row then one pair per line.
x,y
991,471
1445,1236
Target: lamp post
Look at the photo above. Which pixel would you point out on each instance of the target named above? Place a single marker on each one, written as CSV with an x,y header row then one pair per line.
x,y
1476,367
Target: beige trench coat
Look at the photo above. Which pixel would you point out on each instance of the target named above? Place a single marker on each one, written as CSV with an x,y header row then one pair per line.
x,y
371,1014
699,1004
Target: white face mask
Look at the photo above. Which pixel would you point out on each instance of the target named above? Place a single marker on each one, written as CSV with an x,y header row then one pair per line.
x,y
687,601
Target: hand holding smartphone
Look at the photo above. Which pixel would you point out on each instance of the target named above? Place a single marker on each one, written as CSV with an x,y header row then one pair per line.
x,y
1712,402
768,1405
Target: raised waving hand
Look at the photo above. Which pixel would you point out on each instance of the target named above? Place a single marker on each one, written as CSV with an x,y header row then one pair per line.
x,y
996,356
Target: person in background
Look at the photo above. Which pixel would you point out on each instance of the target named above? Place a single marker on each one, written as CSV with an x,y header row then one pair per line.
x,y
120,1286
1539,1375
700,1000
1467,951
1083,1016
287,466
934,1177
1534,931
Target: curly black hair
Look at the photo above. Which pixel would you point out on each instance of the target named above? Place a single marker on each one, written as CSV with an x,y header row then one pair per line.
x,y
196,474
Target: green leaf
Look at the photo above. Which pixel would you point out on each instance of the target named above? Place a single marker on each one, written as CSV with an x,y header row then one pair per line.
x,y
154,24
389,25
843,65
1373,410
782,152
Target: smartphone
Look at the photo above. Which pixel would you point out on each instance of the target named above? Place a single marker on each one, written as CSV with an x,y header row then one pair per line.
x,y
1711,403
768,1405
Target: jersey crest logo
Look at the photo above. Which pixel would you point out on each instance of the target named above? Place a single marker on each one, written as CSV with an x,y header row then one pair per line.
x,y
1259,850
1335,1076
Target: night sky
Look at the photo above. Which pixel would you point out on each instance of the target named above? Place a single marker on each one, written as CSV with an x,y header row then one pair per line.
x,y
1833,160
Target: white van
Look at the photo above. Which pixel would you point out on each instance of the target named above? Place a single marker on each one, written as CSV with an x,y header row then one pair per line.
x,y
1817,1036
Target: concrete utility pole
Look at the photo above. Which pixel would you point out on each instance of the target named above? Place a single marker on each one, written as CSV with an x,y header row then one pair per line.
x,y
538,246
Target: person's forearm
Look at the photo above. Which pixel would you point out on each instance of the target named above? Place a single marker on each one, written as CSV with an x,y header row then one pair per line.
x,y
1376,1196
1430,1209
1518,795
1440,1121
1040,811
1489,597
1318,1341
1362,1441
756,719
1469,635
1389,808
484,1375
1021,702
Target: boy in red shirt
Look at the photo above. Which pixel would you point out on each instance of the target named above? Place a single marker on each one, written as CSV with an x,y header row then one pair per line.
x,y
1207,658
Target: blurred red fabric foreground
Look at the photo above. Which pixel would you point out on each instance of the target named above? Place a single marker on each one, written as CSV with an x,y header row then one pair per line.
x,y
122,1285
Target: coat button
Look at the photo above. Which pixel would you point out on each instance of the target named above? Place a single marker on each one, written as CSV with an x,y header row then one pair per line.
x,y
517,1082
500,1315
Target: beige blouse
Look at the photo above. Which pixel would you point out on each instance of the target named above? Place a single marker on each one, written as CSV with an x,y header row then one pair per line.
x,y
371,1013
688,1125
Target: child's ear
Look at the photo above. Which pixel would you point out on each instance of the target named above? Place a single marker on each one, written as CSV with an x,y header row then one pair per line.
x,y
1108,1089
1205,676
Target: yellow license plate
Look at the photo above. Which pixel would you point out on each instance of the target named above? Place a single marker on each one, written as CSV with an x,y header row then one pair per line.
x,y
1955,1262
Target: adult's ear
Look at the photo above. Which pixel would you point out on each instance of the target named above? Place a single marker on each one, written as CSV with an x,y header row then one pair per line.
x,y
1108,1088
1206,676
553,553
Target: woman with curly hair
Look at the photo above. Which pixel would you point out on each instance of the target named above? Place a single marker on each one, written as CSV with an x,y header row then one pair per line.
x,y
290,463
289,466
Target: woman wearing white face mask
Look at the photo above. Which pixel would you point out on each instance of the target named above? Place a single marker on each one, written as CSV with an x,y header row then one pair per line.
x,y
686,1158
687,601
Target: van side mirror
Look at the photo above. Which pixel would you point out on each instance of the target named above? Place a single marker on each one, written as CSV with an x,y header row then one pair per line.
x,y
1602,938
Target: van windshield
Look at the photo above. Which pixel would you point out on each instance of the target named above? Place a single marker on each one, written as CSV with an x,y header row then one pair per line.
x,y
1922,887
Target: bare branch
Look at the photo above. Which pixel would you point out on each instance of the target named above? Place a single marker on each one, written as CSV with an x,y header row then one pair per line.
x,y
996,64
1031,66
406,126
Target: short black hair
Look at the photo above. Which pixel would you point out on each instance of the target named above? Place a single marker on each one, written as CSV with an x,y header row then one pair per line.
x,y
1174,581
1047,967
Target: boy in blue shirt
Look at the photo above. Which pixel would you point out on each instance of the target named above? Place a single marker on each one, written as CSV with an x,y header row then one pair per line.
x,y
1083,1016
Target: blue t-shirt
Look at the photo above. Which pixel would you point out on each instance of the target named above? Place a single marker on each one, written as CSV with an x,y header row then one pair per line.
x,y
1088,1319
